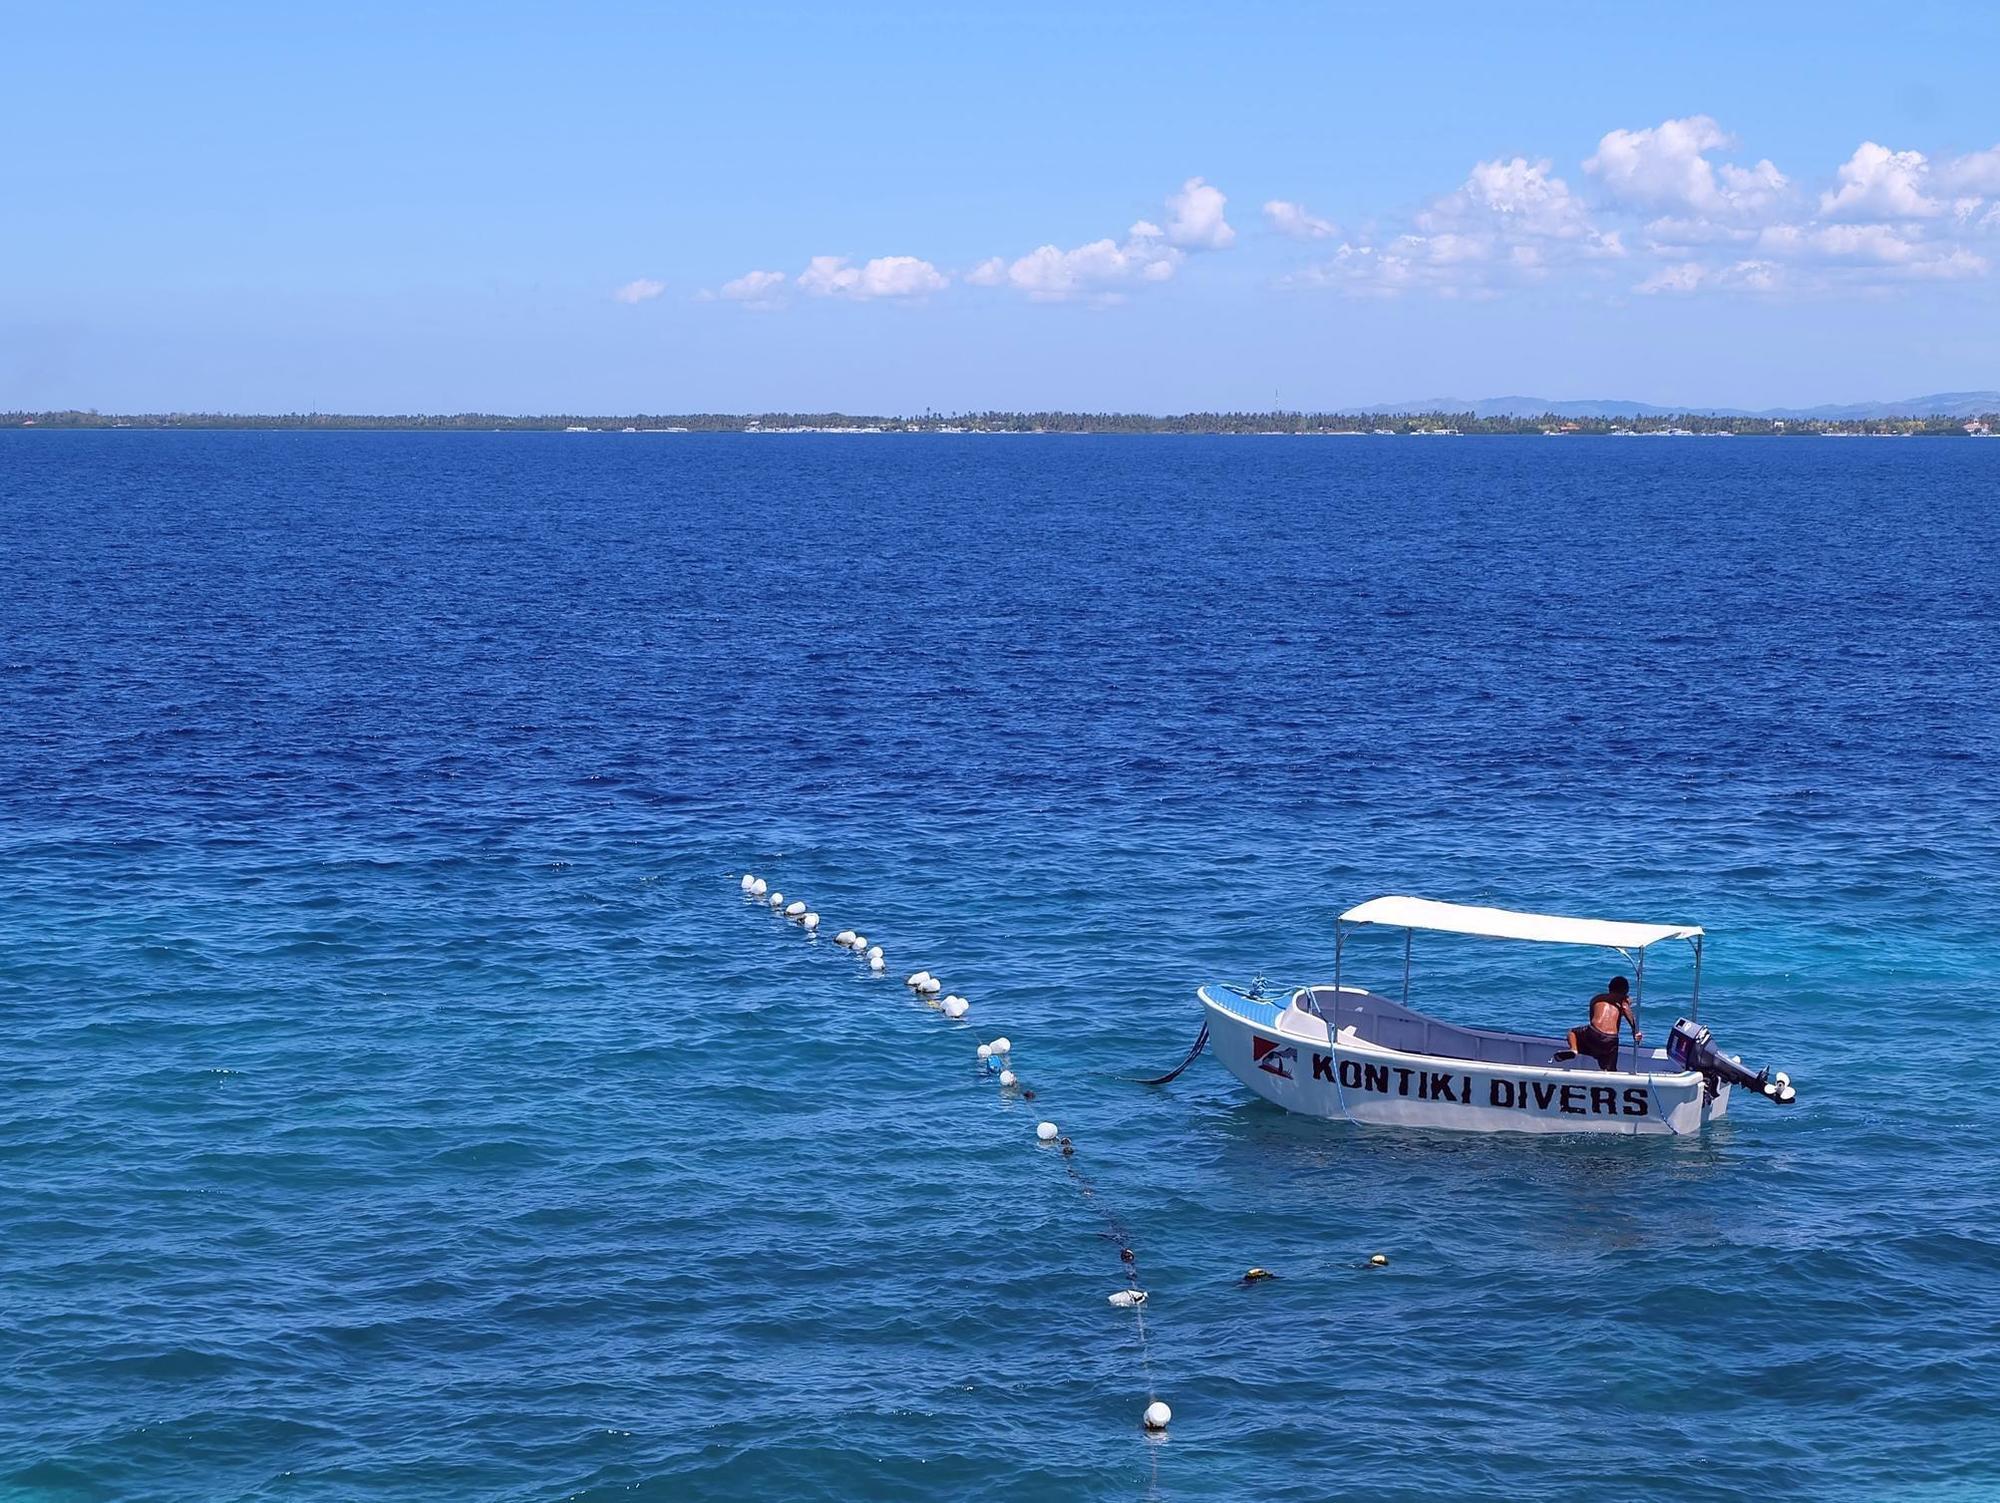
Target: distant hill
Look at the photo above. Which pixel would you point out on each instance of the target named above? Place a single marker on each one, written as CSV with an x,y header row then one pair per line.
x,y
1938,404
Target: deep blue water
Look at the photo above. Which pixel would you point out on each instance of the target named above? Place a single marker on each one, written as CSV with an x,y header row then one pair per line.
x,y
398,1099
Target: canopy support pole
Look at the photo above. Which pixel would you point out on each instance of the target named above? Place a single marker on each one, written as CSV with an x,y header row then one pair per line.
x,y
1638,991
1409,935
1339,939
1694,1005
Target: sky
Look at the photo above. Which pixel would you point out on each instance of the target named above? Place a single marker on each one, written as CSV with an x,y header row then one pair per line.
x,y
899,208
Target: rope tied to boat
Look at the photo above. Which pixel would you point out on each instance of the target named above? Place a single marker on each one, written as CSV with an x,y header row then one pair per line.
x,y
1259,990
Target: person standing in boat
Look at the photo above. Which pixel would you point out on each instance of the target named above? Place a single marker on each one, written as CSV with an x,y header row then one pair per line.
x,y
1599,1037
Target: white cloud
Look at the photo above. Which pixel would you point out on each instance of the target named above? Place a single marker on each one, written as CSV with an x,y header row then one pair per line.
x,y
1877,183
1099,269
1521,202
1978,172
1293,220
1195,219
756,289
1511,222
885,276
1684,277
1449,264
642,290
1049,274
1689,276
1705,226
1863,252
1664,167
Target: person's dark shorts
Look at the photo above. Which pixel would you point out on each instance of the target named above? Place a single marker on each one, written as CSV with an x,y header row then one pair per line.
x,y
1599,1045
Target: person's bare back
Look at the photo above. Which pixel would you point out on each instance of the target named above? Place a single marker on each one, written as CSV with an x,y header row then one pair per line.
x,y
1599,1038
1607,1011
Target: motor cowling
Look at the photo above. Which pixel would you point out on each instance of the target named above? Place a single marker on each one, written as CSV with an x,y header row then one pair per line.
x,y
1692,1047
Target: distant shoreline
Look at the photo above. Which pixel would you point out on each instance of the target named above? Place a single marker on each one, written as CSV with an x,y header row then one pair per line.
x,y
1244,424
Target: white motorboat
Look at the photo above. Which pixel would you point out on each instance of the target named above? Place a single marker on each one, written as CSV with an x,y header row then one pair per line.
x,y
1344,1052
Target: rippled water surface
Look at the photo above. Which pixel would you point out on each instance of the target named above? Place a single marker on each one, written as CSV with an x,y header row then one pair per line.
x,y
399,1099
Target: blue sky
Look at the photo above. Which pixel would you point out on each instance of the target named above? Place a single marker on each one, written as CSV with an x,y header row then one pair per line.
x,y
892,207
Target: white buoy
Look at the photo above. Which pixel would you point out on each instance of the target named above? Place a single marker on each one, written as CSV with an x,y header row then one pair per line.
x,y
984,1053
749,883
1158,1415
875,962
916,979
811,921
777,900
795,909
1007,1079
931,987
1002,1045
844,938
757,888
1125,1299
955,1007
1046,1131
861,943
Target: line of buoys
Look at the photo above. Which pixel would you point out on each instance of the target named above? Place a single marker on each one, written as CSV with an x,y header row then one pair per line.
x,y
995,1054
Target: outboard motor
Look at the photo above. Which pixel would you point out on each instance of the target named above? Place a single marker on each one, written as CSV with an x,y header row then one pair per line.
x,y
1692,1048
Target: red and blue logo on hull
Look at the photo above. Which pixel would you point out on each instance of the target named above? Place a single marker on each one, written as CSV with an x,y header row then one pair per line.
x,y
1270,1056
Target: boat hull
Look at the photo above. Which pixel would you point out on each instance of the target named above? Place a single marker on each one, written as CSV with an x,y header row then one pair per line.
x,y
1290,1059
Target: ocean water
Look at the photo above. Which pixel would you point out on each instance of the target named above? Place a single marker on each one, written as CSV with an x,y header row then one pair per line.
x,y
399,1099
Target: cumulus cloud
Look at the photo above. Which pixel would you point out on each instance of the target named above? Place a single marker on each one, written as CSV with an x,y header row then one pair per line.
x,y
1520,200
1512,221
1194,218
641,290
1902,250
1686,220
1665,167
883,277
1448,264
758,289
1877,183
1292,219
1101,268
1049,274
1690,276
1978,172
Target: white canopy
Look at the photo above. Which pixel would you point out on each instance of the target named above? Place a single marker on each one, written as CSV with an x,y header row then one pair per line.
x,y
1504,923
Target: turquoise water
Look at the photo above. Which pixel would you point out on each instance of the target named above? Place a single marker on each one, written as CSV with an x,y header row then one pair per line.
x,y
400,1100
